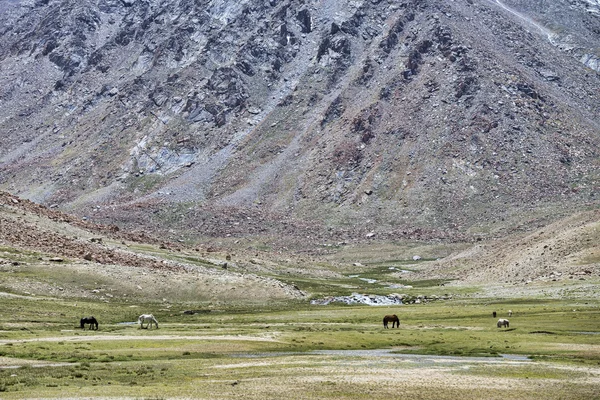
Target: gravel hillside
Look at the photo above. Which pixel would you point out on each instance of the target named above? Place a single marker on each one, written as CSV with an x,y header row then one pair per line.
x,y
330,120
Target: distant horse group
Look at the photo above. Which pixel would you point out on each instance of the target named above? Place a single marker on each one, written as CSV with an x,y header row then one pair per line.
x,y
89,320
502,322
393,318
148,319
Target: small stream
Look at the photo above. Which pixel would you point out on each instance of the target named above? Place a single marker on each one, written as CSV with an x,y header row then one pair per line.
x,y
416,358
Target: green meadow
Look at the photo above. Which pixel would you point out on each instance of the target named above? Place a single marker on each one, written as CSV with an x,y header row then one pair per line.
x,y
216,353
209,347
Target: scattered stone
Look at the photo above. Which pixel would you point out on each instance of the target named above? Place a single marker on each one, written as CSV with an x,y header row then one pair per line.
x,y
548,74
378,300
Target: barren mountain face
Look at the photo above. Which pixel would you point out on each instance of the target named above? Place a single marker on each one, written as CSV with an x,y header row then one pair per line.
x,y
329,119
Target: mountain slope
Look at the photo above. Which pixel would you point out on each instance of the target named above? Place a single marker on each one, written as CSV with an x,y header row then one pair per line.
x,y
566,250
416,119
49,253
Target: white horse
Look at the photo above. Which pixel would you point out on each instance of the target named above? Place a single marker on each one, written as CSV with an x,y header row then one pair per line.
x,y
149,318
502,323
510,313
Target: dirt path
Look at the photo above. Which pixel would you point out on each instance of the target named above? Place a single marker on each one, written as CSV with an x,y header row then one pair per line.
x,y
88,338
14,363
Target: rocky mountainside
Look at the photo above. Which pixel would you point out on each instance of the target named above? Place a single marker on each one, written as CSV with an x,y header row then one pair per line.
x,y
333,119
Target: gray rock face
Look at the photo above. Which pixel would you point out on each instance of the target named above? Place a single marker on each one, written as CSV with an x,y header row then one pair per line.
x,y
570,25
414,118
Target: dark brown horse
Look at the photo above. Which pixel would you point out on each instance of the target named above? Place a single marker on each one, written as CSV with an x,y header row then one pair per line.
x,y
89,320
393,319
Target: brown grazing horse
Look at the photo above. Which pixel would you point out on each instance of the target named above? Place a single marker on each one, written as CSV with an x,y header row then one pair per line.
x,y
393,319
89,320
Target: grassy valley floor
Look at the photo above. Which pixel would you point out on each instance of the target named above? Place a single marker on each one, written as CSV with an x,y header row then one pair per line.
x,y
441,350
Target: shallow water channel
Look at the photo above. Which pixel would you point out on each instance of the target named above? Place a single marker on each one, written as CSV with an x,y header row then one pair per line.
x,y
416,358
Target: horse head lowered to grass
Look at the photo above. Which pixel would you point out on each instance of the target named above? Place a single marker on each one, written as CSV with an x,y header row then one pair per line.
x,y
393,319
502,323
89,320
149,319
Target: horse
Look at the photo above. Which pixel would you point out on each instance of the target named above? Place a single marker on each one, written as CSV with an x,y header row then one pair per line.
x,y
149,318
494,314
89,320
502,323
393,319
510,313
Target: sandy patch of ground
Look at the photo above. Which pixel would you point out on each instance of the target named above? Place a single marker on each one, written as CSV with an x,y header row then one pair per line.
x,y
138,337
9,363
